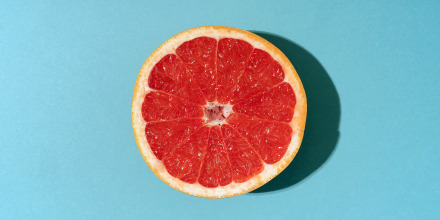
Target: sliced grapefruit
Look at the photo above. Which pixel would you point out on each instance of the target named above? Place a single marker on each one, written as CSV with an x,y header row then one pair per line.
x,y
218,111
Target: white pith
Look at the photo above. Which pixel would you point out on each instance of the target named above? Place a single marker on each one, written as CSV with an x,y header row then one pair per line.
x,y
232,189
227,110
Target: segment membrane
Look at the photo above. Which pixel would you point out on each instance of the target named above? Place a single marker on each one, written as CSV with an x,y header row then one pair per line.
x,y
170,75
161,106
199,56
163,136
216,169
262,72
232,57
244,160
276,104
269,138
185,160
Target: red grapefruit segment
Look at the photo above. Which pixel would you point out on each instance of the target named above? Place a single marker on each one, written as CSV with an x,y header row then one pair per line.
x,y
261,73
162,106
232,57
163,136
244,160
277,104
216,169
185,160
170,75
269,138
199,56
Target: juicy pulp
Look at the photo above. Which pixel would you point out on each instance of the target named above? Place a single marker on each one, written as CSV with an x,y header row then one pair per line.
x,y
196,140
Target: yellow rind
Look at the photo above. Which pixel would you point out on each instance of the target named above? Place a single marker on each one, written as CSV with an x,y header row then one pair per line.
x,y
297,124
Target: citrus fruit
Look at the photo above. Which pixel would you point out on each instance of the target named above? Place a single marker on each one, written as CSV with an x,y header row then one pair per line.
x,y
218,111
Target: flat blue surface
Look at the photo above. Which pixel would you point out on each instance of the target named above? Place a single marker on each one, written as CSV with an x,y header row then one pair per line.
x,y
371,72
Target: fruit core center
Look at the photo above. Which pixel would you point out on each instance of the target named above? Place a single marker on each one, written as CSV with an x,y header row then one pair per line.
x,y
216,114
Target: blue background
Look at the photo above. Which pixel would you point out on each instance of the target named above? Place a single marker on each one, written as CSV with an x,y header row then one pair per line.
x,y
68,69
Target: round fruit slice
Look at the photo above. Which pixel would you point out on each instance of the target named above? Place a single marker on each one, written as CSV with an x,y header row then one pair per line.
x,y
218,111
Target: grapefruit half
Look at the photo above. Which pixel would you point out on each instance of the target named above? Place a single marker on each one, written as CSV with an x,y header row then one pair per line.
x,y
218,111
